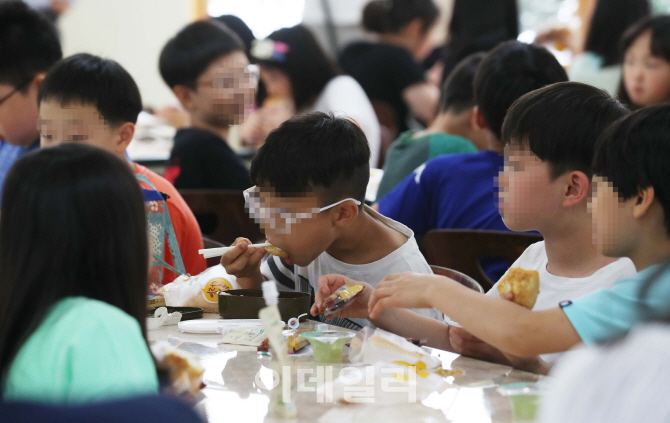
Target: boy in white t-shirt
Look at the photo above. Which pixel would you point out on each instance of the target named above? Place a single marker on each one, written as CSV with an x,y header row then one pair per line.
x,y
550,137
312,175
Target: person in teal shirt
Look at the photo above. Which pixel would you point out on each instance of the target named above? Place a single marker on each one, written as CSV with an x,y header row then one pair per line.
x,y
73,280
453,130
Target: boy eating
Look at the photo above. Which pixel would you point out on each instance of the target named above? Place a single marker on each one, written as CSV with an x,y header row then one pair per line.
x,y
95,101
311,176
208,71
29,47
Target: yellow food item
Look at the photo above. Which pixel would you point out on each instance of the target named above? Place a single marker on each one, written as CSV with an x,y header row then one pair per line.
x,y
523,284
185,372
350,291
276,251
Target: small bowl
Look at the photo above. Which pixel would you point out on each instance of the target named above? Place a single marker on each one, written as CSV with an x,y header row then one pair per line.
x,y
246,303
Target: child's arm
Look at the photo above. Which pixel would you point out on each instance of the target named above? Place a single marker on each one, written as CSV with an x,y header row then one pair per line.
x,y
244,262
511,328
401,322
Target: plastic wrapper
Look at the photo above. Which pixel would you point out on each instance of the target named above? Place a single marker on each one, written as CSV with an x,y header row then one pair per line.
x,y
201,290
341,298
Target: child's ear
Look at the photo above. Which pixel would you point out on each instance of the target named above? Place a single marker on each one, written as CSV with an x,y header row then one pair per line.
x,y
125,135
345,214
478,121
643,201
185,96
578,188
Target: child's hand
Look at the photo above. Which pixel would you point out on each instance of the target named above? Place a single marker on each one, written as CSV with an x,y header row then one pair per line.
x,y
328,284
243,261
466,344
404,290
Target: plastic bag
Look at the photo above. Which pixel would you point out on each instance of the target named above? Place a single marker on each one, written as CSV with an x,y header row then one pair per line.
x,y
201,290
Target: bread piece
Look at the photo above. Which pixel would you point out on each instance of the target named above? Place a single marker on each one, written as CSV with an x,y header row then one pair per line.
x,y
523,284
276,251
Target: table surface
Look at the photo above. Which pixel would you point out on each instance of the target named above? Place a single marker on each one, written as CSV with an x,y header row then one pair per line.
x,y
232,394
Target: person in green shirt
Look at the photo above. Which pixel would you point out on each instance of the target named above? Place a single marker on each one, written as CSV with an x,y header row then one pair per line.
x,y
73,280
453,131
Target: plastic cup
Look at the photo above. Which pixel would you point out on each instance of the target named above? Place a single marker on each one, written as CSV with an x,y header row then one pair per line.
x,y
328,344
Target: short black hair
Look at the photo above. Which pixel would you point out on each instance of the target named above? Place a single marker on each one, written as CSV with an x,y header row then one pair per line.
x,y
315,150
189,53
28,44
239,27
305,63
457,91
389,16
509,71
634,154
659,26
87,79
561,123
611,18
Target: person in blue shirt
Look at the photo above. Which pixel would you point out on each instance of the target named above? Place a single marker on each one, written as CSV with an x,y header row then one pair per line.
x,y
29,47
458,191
630,208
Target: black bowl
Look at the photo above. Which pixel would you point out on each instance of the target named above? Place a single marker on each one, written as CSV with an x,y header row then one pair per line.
x,y
246,303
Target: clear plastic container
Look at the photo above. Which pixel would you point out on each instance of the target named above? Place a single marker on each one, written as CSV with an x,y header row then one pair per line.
x,y
328,344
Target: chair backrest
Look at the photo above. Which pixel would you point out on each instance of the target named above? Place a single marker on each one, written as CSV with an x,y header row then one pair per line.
x,y
210,243
388,122
461,249
221,215
459,277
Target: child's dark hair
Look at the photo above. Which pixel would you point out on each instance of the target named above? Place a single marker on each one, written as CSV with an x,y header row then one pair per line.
x,y
305,63
73,224
560,124
611,18
660,44
189,53
28,44
86,79
390,16
315,150
457,91
239,27
634,154
509,71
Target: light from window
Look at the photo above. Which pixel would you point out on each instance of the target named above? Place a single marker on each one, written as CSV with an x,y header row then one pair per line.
x,y
262,16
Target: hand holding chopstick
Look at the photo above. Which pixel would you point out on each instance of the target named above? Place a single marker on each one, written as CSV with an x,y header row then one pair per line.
x,y
218,252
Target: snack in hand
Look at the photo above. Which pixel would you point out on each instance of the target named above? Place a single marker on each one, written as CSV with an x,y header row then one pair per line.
x,y
523,284
276,251
341,298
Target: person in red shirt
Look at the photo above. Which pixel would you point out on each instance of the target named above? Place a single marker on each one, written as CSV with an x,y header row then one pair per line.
x,y
95,101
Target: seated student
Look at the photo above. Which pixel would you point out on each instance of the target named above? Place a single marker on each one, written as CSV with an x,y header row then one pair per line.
x,y
206,67
73,298
90,100
550,135
299,77
631,218
457,191
451,132
311,177
29,46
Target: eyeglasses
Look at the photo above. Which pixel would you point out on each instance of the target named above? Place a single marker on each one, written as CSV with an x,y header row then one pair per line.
x,y
227,81
280,219
16,89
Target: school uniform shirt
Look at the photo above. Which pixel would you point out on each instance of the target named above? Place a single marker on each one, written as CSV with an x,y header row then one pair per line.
x,y
408,153
609,314
185,227
407,258
203,160
455,191
8,155
384,71
83,351
555,289
622,382
343,96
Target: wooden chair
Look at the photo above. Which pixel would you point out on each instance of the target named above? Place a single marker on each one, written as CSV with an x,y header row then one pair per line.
x,y
459,277
460,249
388,122
221,215
210,243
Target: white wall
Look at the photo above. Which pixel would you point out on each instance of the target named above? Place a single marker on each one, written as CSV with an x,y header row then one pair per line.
x,y
132,32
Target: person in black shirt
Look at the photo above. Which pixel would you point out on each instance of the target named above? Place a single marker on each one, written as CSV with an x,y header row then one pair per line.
x,y
206,67
388,70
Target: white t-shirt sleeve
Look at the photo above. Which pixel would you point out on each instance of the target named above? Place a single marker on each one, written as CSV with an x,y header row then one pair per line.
x,y
343,96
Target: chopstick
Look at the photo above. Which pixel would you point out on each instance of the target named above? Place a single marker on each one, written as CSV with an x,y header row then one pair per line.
x,y
218,252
